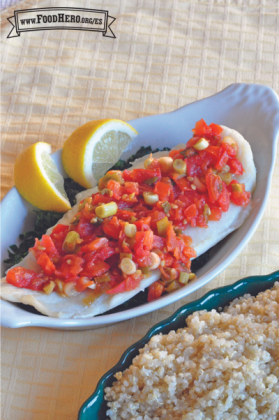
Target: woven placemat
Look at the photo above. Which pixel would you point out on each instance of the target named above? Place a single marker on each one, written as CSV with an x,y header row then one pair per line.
x,y
165,55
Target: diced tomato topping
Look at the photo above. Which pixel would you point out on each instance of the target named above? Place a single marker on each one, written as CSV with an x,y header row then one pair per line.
x,y
130,283
143,243
96,268
194,166
131,187
158,242
203,130
181,182
214,151
231,150
45,263
116,189
58,236
155,291
143,223
191,211
141,175
224,198
222,161
85,228
239,196
163,190
99,198
94,245
99,245
214,186
216,214
112,227
22,277
82,284
235,166
71,266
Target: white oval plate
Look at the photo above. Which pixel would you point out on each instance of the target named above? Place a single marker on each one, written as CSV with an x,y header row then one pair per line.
x,y
253,110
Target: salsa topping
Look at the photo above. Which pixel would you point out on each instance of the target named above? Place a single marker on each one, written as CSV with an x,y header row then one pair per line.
x,y
135,223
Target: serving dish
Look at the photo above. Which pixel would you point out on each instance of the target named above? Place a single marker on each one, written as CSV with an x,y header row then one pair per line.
x,y
95,406
253,110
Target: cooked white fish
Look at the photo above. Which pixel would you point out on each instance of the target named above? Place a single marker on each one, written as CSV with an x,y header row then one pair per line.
x,y
73,307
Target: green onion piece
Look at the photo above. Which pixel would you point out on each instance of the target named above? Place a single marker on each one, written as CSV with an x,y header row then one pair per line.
x,y
226,177
106,210
177,231
124,255
166,207
172,286
237,187
103,279
184,277
162,226
70,242
145,270
151,180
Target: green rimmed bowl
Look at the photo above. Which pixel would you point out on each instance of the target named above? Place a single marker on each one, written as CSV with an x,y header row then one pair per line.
x,y
95,406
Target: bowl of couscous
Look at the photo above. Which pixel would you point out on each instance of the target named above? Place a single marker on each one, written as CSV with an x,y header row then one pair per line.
x,y
223,365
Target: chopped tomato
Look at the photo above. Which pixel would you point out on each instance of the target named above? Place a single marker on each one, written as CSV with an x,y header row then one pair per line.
x,y
143,243
239,196
155,291
224,198
130,283
99,198
82,284
155,217
22,277
194,166
231,150
222,161
203,130
116,188
45,263
174,154
214,151
85,228
143,223
58,229
96,268
235,166
58,236
189,252
94,245
191,211
131,187
125,214
174,244
158,242
163,190
181,182
216,214
214,186
71,266
141,175
111,227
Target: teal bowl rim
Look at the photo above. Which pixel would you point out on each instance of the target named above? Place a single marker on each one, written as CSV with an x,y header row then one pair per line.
x,y
214,299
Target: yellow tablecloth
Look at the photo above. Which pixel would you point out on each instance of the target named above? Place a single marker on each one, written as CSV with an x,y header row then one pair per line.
x,y
165,55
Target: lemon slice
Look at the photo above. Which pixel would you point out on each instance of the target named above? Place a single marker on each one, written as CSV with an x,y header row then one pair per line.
x,y
95,147
37,179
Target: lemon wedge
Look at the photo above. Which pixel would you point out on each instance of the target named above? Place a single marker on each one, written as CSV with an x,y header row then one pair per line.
x,y
95,147
37,179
